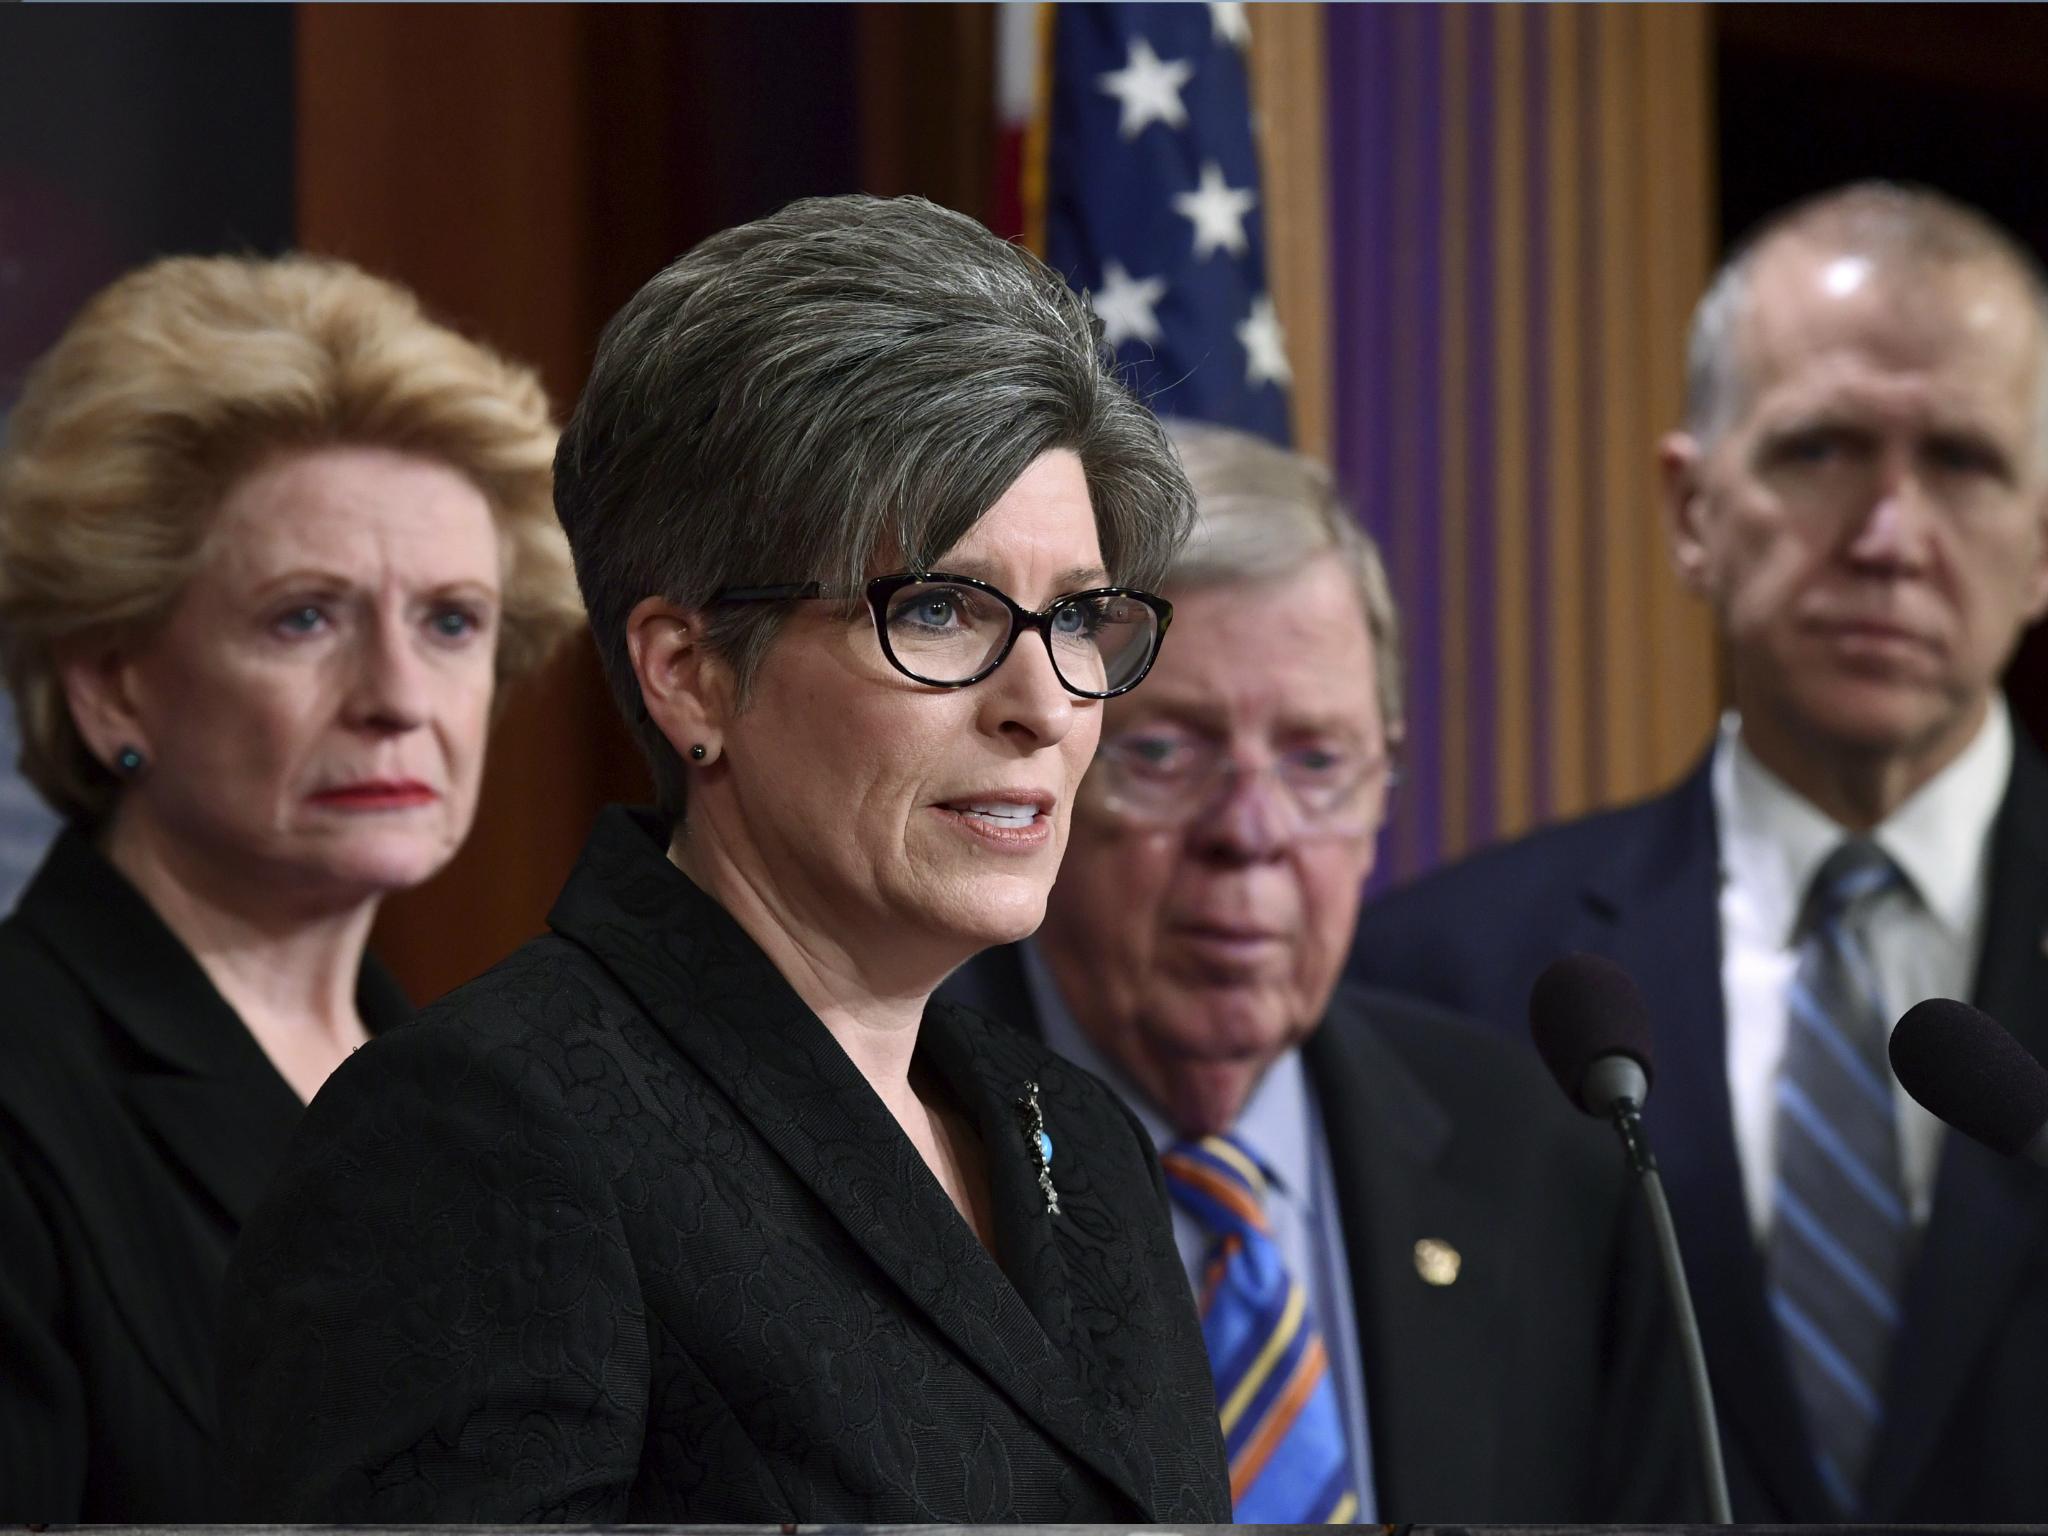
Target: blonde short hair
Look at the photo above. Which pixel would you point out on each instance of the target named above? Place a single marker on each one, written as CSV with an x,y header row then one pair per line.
x,y
187,374
1262,511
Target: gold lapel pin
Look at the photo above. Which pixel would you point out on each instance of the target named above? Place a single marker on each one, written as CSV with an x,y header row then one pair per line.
x,y
1437,1261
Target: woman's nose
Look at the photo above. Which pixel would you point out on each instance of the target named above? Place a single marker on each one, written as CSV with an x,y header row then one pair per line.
x,y
391,685
1024,696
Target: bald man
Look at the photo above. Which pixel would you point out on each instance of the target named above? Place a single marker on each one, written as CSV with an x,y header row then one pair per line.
x,y
1860,493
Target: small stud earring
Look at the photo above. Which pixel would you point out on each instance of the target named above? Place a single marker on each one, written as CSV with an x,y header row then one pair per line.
x,y
697,753
128,762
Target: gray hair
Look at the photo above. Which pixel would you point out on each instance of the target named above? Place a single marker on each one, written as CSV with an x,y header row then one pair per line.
x,y
1901,225
1261,512
850,380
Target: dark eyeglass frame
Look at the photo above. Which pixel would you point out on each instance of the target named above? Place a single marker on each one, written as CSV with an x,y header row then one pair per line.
x,y
879,591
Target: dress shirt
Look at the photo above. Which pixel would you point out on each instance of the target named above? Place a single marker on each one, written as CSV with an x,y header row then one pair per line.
x,y
1282,1124
1924,941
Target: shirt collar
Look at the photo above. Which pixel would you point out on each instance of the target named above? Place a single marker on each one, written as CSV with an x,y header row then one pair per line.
x,y
1774,840
1274,1123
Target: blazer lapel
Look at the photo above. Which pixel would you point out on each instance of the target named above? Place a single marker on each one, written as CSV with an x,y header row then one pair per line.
x,y
1434,1445
196,1082
1990,1213
1655,910
698,975
1027,1242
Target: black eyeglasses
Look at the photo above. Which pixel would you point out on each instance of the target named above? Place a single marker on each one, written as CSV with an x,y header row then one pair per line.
x,y
953,631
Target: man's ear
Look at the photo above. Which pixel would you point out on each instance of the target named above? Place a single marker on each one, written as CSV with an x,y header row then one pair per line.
x,y
2037,595
686,690
99,686
1681,488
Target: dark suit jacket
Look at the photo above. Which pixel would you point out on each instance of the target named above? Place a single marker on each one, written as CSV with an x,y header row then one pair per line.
x,y
1966,1429
617,1232
1544,1384
139,1122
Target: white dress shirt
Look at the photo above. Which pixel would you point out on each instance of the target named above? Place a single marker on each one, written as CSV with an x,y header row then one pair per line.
x,y
1924,941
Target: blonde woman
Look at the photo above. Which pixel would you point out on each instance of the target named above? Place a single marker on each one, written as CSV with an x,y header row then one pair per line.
x,y
269,542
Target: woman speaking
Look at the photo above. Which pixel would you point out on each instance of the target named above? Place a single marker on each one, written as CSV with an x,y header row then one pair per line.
x,y
268,540
696,1209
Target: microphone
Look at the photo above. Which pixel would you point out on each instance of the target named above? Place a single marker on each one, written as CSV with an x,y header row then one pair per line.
x,y
1965,1068
1592,1030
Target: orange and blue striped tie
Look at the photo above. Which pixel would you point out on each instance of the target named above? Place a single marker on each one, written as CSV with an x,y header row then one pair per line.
x,y
1279,1407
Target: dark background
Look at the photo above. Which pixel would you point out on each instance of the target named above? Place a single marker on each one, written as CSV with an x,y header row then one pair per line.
x,y
526,168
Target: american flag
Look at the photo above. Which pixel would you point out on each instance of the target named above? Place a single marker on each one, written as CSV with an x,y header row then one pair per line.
x,y
1152,205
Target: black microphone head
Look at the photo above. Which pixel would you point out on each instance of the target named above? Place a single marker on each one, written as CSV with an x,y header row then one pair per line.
x,y
1962,1065
1582,1010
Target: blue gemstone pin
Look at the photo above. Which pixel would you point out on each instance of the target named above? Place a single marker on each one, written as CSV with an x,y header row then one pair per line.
x,y
1031,1120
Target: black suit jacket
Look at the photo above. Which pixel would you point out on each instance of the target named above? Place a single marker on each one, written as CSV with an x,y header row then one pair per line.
x,y
617,1232
139,1122
1544,1384
1965,1435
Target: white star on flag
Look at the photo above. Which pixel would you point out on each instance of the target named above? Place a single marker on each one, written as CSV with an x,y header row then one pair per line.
x,y
1124,305
1228,23
1265,346
1217,212
1149,88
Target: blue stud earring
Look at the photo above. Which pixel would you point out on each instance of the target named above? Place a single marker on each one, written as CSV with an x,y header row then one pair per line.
x,y
128,762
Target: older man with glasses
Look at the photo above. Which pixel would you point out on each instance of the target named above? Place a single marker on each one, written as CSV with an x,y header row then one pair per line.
x,y
1425,1293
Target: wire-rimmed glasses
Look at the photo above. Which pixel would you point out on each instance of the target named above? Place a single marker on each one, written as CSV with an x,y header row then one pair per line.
x,y
953,631
1165,775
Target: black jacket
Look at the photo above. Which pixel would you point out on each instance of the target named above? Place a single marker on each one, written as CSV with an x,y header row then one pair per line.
x,y
1965,1433
618,1232
139,1123
1544,1384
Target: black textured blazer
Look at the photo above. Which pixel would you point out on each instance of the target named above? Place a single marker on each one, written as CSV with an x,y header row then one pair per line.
x,y
617,1232
139,1123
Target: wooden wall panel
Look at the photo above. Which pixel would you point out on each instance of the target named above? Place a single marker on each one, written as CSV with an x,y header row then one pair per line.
x,y
1289,94
1521,218
526,167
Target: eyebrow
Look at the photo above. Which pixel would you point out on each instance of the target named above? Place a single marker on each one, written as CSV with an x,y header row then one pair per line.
x,y
1074,578
316,579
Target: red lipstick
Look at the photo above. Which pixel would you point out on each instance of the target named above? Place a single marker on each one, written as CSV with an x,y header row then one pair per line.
x,y
377,795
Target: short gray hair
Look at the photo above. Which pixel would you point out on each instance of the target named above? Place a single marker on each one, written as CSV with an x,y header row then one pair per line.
x,y
849,380
1262,511
1899,224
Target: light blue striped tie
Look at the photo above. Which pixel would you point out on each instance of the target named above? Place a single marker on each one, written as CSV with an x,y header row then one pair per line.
x,y
1840,1233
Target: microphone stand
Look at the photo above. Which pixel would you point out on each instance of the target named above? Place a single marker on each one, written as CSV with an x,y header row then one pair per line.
x,y
1628,1124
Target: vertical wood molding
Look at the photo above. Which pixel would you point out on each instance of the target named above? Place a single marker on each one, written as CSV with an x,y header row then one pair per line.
x,y
1570,670
1288,90
1676,96
1455,610
1545,236
1624,508
1515,712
